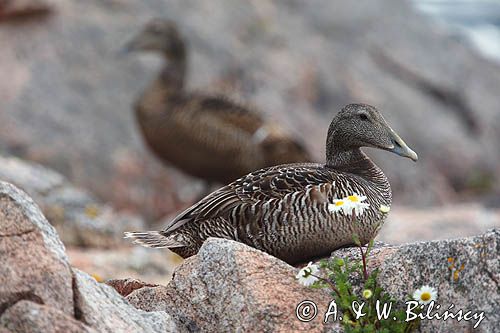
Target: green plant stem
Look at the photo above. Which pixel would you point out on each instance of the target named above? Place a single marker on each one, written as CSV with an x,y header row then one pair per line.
x,y
363,257
363,254
330,283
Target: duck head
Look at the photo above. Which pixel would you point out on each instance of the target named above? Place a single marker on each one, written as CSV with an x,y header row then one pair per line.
x,y
159,35
361,125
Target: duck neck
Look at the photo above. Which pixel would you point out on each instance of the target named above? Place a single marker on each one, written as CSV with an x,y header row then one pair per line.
x,y
173,73
345,158
168,85
355,162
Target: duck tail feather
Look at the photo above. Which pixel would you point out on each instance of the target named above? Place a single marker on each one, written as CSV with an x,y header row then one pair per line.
x,y
154,239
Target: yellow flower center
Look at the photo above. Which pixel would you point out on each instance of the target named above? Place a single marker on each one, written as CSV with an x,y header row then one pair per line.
x,y
97,277
339,203
353,198
425,296
367,293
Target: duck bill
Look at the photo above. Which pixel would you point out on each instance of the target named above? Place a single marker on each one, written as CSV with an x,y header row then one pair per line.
x,y
400,148
141,42
133,45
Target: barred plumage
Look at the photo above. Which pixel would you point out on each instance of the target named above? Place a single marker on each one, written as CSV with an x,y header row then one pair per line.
x,y
283,210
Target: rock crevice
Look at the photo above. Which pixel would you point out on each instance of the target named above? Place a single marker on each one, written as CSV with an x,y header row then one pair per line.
x,y
41,292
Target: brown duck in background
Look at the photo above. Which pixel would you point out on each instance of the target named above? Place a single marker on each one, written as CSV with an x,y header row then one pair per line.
x,y
286,210
208,137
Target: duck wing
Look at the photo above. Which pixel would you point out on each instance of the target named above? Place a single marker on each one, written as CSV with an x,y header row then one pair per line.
x,y
228,112
308,181
270,135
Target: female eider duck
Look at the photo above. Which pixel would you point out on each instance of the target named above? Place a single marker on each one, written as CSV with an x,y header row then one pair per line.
x,y
209,137
285,210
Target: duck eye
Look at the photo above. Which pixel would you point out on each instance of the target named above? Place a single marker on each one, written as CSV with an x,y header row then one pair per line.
x,y
154,28
363,116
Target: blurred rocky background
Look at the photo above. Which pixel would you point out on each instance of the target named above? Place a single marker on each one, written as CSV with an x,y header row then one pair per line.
x,y
68,137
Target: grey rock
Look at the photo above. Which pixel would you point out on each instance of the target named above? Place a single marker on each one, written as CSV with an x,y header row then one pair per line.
x,y
149,298
34,265
477,287
30,177
126,286
121,262
79,217
30,213
298,62
82,220
229,286
102,308
29,317
406,267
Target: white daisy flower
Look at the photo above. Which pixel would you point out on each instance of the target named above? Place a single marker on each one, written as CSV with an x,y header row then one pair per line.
x,y
355,201
425,295
384,209
339,205
306,275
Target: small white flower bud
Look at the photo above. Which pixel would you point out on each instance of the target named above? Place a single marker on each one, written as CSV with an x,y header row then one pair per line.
x,y
385,209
